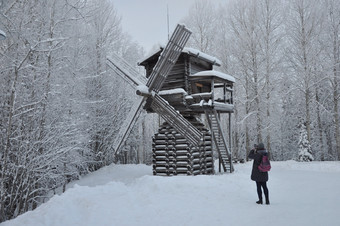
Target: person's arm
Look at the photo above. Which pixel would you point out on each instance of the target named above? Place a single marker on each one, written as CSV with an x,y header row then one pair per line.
x,y
251,154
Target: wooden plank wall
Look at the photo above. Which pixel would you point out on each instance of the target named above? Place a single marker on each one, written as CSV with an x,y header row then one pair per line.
x,y
197,65
175,78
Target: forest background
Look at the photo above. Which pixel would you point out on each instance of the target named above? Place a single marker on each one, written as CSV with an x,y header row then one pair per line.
x,y
61,108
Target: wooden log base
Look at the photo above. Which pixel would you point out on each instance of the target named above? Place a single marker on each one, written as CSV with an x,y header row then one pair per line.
x,y
173,155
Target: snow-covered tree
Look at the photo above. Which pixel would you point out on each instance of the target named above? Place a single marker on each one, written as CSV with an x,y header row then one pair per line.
x,y
303,28
284,56
305,150
202,22
332,44
55,96
61,109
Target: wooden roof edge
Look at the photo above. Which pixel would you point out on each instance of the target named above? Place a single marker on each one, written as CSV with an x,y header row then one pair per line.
x,y
187,50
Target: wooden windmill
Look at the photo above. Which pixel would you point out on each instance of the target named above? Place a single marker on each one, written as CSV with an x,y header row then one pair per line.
x,y
180,87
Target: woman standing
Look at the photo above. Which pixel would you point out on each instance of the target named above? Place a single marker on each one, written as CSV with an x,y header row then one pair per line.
x,y
260,178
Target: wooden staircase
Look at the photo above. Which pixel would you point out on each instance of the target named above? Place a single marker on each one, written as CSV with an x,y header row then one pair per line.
x,y
219,140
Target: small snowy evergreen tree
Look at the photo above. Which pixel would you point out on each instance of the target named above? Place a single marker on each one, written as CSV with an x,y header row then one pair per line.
x,y
305,150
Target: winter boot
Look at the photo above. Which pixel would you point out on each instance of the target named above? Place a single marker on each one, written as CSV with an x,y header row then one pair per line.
x,y
267,198
259,202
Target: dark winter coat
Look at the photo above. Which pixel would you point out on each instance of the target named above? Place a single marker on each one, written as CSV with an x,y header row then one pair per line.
x,y
256,175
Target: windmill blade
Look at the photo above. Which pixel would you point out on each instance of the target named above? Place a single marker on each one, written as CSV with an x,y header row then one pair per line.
x,y
124,70
128,124
168,58
129,74
176,120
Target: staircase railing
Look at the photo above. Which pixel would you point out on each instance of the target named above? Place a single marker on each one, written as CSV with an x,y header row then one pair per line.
x,y
220,141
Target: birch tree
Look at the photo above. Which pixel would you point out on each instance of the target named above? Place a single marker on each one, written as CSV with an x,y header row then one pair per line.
x,y
304,29
285,57
247,52
271,41
104,31
41,149
333,40
202,21
17,62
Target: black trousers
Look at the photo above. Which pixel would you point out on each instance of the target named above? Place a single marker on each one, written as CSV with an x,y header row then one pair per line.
x,y
265,190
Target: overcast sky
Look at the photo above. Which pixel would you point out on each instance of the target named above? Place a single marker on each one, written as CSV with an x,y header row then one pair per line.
x,y
146,20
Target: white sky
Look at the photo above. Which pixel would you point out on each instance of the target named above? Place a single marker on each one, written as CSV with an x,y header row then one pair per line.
x,y
146,20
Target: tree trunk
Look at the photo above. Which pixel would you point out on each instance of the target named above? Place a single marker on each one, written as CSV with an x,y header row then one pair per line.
x,y
236,134
247,112
306,76
336,117
3,175
321,147
336,75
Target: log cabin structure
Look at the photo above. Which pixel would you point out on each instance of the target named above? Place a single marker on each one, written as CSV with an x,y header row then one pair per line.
x,y
193,88
181,86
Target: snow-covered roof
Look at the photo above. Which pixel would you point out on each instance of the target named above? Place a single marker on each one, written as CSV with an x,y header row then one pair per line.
x,y
201,55
213,73
187,50
150,55
173,91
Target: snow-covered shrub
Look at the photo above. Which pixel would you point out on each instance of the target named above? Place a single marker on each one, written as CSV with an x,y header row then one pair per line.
x,y
305,150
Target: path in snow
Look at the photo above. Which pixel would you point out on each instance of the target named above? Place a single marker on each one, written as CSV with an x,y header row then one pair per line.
x,y
301,194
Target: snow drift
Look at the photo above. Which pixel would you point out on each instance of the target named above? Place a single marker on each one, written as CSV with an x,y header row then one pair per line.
x,y
300,193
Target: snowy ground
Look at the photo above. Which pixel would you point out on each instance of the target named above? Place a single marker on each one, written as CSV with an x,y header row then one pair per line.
x,y
301,194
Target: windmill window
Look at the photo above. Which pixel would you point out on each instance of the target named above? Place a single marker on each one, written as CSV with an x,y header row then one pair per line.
x,y
199,85
199,88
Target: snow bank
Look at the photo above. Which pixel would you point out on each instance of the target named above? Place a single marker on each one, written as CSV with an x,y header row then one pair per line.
x,y
301,194
315,166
